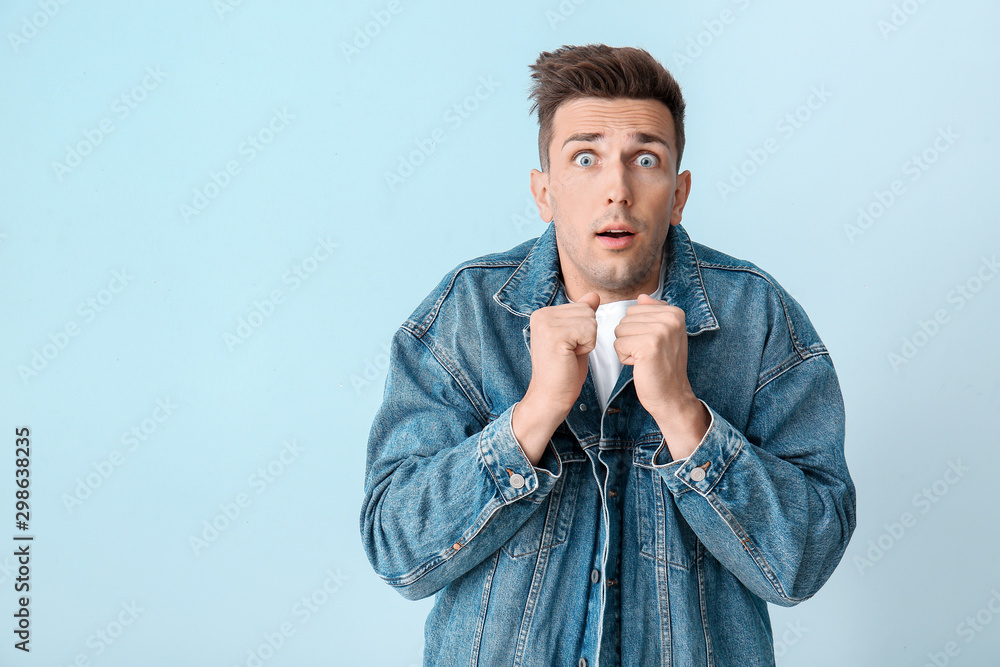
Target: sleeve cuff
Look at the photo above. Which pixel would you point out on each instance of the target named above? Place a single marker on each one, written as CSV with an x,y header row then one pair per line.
x,y
501,455
703,468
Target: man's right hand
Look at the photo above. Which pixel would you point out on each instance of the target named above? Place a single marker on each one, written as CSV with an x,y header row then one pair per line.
x,y
561,338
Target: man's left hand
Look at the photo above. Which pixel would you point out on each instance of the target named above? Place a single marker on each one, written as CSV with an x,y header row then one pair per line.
x,y
652,338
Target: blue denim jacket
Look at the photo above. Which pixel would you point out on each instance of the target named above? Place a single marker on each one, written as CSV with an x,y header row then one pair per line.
x,y
607,552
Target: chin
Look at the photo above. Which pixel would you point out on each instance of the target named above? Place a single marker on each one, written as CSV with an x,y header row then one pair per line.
x,y
616,284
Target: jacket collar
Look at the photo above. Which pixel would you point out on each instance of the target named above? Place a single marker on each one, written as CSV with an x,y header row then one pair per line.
x,y
536,282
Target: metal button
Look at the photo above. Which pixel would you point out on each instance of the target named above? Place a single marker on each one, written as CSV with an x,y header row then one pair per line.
x,y
595,575
517,481
698,474
583,408
582,662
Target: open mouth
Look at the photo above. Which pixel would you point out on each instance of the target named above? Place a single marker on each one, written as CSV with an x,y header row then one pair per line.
x,y
615,239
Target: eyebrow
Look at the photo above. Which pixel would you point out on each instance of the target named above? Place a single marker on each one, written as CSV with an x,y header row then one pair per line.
x,y
638,137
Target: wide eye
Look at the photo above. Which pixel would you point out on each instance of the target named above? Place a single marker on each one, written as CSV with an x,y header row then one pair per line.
x,y
583,159
648,160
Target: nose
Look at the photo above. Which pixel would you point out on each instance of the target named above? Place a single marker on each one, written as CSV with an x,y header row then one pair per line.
x,y
617,184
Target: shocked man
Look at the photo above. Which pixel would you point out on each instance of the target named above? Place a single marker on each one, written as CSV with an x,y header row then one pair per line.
x,y
609,445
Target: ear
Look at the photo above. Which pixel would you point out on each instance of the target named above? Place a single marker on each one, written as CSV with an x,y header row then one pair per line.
x,y
681,193
540,191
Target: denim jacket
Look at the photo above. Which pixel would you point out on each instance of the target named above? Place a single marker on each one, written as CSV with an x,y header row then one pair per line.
x,y
607,552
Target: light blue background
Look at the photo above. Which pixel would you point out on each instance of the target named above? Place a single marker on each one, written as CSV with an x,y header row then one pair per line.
x,y
312,371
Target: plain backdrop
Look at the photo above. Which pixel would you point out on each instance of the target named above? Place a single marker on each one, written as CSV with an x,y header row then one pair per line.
x,y
215,215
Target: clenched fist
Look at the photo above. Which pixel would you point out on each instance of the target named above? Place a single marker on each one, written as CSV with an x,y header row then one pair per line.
x,y
652,338
561,338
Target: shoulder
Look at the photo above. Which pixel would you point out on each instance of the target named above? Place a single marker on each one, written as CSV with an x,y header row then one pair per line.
x,y
471,284
741,292
728,274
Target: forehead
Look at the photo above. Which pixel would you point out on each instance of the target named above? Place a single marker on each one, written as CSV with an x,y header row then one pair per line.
x,y
611,117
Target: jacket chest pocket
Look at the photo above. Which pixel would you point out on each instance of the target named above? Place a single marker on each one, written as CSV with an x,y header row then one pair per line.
x,y
664,534
550,523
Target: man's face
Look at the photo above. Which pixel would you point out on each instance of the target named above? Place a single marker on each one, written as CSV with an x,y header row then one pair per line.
x,y
612,191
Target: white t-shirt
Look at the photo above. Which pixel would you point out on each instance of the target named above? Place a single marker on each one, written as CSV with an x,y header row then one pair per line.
x,y
604,363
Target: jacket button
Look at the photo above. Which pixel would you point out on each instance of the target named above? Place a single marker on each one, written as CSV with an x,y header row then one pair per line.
x,y
698,474
582,662
595,575
583,408
517,481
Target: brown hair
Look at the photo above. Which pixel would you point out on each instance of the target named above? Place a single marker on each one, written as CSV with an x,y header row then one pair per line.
x,y
597,70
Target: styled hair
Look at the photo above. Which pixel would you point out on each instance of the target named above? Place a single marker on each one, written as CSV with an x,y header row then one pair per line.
x,y
597,70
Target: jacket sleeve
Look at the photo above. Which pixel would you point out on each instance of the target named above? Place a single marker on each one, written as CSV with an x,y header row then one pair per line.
x,y
445,485
776,504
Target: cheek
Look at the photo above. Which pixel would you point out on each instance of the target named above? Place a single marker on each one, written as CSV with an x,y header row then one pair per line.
x,y
661,197
568,197
563,187
662,188
571,179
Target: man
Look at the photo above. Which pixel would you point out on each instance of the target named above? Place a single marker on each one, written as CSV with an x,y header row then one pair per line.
x,y
609,445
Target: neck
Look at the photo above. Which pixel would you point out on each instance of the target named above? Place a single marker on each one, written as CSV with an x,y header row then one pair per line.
x,y
577,288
